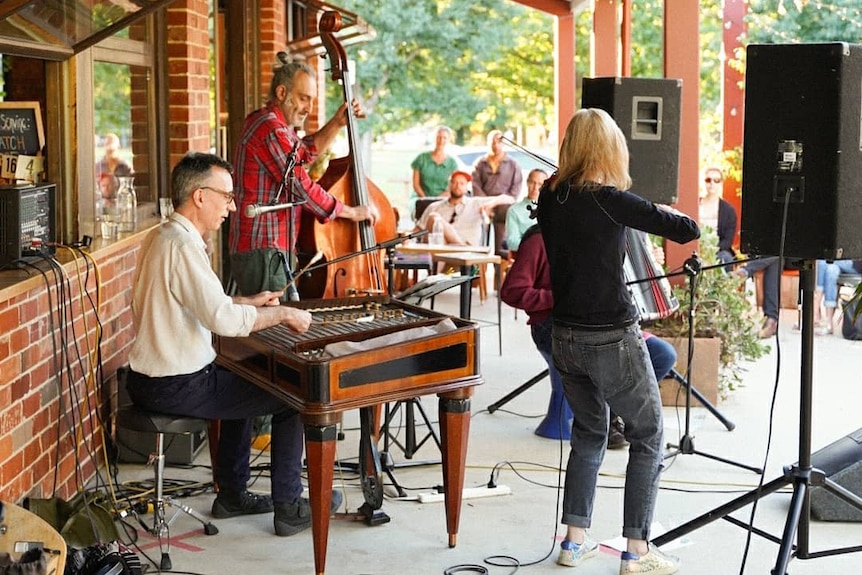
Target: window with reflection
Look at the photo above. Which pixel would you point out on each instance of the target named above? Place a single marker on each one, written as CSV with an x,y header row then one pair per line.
x,y
122,125
112,119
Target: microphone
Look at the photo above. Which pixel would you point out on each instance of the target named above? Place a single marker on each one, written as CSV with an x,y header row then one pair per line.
x,y
254,210
292,294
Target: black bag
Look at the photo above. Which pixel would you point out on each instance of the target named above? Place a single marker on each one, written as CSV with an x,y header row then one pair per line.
x,y
851,329
102,559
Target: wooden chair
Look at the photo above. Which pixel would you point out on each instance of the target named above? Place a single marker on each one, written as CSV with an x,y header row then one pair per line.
x,y
22,530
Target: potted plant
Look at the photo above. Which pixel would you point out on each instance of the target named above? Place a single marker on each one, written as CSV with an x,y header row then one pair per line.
x,y
722,310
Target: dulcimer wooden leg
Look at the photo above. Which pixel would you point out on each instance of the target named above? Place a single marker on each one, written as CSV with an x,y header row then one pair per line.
x,y
320,452
454,415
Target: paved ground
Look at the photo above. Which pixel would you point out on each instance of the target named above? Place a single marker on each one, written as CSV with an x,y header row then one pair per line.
x,y
524,524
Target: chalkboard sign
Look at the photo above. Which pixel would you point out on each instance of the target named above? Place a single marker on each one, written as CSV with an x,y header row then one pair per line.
x,y
21,128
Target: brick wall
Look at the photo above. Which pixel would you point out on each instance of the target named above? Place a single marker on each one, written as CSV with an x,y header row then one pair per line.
x,y
43,429
273,39
49,399
188,49
48,421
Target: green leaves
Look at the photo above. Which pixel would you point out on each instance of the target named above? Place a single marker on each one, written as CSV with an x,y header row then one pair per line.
x,y
454,62
721,309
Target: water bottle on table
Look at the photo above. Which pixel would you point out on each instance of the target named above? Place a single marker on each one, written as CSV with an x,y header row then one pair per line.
x,y
436,236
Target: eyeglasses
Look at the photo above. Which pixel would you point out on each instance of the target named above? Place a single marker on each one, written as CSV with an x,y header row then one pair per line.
x,y
453,218
229,195
712,180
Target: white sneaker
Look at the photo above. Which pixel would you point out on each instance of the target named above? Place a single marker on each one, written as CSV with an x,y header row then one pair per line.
x,y
572,554
653,563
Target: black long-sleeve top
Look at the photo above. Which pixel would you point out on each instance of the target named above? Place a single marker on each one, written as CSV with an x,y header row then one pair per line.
x,y
584,233
726,226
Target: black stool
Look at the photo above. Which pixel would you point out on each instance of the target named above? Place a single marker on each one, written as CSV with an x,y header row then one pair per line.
x,y
138,419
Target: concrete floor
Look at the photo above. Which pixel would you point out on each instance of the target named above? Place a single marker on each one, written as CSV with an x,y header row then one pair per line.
x,y
524,524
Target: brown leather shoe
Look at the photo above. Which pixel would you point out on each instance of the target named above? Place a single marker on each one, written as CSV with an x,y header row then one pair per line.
x,y
770,326
616,434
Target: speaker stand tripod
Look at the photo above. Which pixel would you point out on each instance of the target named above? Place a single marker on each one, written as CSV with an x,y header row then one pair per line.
x,y
686,446
800,475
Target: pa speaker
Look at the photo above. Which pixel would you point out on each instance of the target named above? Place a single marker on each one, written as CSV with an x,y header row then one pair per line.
x,y
841,462
647,110
802,150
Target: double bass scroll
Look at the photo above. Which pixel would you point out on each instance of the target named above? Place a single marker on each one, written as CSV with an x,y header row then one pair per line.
x,y
345,180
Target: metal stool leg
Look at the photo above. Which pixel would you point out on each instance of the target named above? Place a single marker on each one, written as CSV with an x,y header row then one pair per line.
x,y
162,525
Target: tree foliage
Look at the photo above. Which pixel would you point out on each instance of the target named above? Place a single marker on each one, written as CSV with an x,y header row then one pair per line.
x,y
482,64
794,21
111,94
460,62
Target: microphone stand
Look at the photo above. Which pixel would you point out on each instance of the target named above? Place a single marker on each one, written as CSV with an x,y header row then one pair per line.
x,y
692,268
288,178
388,245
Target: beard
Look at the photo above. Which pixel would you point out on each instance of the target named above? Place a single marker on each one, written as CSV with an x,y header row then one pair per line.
x,y
294,117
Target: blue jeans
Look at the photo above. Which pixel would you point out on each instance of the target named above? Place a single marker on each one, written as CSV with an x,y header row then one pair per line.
x,y
216,393
771,283
662,355
558,407
827,279
612,367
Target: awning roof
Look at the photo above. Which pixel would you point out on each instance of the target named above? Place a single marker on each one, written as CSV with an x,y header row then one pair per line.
x,y
355,30
57,29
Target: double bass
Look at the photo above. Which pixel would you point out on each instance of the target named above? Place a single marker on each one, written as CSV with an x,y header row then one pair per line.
x,y
346,181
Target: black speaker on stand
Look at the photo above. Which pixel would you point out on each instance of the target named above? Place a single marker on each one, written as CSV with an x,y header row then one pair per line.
x,y
801,174
802,139
647,110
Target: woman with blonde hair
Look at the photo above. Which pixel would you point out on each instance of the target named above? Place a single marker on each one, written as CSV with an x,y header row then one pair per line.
x,y
597,342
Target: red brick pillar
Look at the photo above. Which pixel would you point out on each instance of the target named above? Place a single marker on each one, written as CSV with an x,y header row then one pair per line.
x,y
188,77
733,98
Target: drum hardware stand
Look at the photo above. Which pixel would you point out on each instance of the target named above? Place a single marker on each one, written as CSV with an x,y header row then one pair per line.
x,y
692,268
802,475
410,446
371,461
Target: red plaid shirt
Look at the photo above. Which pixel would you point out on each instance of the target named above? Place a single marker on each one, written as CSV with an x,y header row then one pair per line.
x,y
260,161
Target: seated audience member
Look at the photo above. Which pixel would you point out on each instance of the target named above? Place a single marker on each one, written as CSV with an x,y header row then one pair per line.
x,y
497,174
717,213
178,303
518,219
462,216
771,284
431,170
826,293
528,287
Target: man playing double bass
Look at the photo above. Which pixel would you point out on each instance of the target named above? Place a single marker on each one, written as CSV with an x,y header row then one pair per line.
x,y
269,151
269,144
